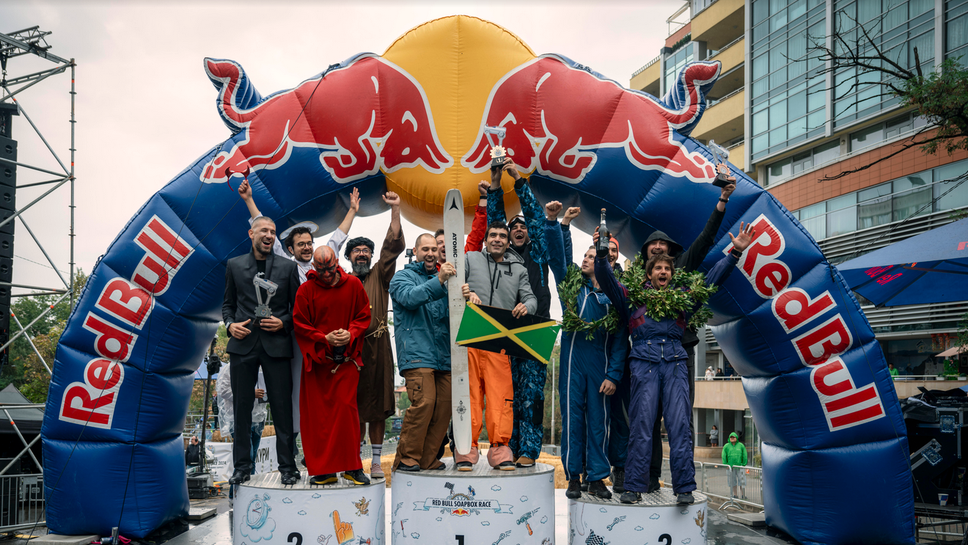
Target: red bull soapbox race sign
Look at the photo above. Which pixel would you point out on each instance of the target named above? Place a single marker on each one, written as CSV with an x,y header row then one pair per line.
x,y
814,375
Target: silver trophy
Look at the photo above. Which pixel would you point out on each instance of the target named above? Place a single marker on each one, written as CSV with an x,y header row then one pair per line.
x,y
262,310
720,156
498,153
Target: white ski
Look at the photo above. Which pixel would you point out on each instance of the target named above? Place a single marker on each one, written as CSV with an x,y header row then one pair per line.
x,y
460,386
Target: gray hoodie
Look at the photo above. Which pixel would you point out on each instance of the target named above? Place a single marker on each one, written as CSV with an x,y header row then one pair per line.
x,y
503,284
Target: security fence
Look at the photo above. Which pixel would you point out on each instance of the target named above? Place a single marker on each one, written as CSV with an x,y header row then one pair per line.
x,y
21,502
714,480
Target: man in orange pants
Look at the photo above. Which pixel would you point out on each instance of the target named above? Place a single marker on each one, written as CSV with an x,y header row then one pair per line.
x,y
496,277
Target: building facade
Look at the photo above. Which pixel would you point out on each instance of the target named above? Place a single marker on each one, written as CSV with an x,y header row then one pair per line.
x,y
788,123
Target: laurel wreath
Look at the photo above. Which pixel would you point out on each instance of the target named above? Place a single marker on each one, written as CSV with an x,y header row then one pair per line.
x,y
571,321
686,292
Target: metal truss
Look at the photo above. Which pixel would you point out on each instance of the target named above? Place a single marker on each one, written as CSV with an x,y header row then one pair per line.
x,y
33,41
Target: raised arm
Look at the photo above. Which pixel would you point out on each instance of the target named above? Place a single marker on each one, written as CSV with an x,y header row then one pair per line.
x,y
556,247
475,239
571,213
339,237
393,244
692,258
245,191
721,270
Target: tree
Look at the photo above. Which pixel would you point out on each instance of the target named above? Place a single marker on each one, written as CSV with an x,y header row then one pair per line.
x,y
24,368
940,97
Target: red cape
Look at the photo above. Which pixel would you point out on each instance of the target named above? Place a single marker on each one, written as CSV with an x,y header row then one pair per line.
x,y
329,420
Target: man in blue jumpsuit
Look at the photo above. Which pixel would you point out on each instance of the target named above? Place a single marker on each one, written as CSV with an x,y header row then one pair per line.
x,y
658,370
526,238
591,369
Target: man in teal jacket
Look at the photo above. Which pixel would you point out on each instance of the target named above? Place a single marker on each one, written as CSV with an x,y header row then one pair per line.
x,y
734,455
422,334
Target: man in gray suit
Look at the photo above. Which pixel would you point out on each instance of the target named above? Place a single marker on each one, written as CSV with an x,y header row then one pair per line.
x,y
265,342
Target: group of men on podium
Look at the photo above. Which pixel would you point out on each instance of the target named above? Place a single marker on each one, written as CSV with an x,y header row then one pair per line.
x,y
320,334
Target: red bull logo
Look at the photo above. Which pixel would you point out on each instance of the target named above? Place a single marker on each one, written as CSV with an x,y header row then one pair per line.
x,y
557,116
367,116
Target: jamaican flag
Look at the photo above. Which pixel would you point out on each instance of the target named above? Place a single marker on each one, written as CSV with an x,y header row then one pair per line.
x,y
494,329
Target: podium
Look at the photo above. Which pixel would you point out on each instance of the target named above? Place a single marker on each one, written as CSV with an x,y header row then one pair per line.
x,y
478,507
654,519
334,514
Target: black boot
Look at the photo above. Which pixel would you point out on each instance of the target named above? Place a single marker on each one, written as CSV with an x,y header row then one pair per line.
x,y
618,480
574,490
584,482
654,485
599,490
239,476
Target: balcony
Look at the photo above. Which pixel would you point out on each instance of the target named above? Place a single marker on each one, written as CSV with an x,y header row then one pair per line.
x,y
647,78
732,56
722,121
719,24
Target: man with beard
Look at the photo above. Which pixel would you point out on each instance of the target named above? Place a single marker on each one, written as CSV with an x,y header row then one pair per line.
x,y
421,313
496,277
375,393
298,246
688,261
330,318
528,376
260,342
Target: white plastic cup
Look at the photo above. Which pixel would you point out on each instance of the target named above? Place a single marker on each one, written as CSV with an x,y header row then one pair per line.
x,y
943,499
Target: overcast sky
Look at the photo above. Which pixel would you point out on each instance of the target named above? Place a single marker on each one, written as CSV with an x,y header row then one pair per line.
x,y
145,109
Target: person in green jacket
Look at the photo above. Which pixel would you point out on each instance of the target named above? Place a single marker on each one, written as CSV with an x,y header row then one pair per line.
x,y
734,455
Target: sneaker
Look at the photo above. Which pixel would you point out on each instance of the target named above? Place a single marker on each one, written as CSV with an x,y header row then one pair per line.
x,y
357,476
376,471
465,466
599,490
618,480
506,466
685,499
524,461
408,469
574,489
654,485
630,497
319,480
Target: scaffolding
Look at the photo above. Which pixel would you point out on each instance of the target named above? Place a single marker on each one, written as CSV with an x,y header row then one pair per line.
x,y
13,88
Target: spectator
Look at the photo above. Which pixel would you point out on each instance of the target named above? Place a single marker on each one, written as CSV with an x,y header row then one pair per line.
x,y
710,374
893,371
719,372
734,455
193,454
714,436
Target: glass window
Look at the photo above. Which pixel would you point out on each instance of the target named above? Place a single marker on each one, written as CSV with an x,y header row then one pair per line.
x,y
842,221
813,210
912,203
816,98
911,182
898,126
798,105
874,192
778,114
867,137
874,212
802,161
826,152
817,119
955,193
778,136
780,170
842,201
760,122
760,10
760,143
816,227
761,66
798,8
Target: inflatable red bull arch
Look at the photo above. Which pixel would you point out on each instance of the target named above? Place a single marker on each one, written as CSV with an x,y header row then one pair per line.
x,y
835,453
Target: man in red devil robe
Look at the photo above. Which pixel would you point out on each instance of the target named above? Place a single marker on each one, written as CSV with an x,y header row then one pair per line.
x,y
330,318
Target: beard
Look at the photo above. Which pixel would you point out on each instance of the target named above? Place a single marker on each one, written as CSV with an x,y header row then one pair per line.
x,y
361,269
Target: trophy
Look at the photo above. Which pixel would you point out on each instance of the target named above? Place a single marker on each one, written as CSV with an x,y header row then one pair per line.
x,y
262,310
720,155
498,153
